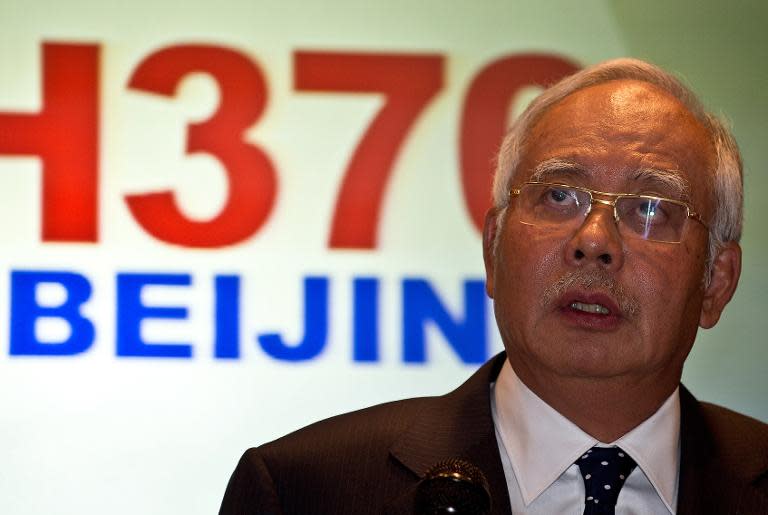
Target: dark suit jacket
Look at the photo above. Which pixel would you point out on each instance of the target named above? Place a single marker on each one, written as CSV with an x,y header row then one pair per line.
x,y
369,461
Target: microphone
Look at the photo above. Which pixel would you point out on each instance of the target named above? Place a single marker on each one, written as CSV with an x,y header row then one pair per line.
x,y
453,487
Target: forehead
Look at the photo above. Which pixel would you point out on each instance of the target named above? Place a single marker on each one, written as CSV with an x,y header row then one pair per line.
x,y
615,129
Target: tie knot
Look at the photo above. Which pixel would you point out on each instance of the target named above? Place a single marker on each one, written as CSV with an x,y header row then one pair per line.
x,y
604,470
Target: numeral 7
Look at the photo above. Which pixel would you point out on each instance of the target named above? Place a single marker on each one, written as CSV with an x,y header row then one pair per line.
x,y
408,83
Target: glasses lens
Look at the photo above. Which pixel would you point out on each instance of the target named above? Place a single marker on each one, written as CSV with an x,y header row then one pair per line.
x,y
652,218
552,204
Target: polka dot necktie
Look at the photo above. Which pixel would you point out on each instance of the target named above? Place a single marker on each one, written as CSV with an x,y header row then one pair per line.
x,y
604,470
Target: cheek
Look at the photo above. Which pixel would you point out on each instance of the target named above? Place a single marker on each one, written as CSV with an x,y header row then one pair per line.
x,y
648,270
668,282
667,267
528,262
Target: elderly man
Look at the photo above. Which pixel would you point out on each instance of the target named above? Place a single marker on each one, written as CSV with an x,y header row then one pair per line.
x,y
613,237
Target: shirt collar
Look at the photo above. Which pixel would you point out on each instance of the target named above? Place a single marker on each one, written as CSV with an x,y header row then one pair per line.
x,y
542,443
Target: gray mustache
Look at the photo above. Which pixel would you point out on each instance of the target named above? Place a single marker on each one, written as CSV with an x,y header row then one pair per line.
x,y
592,280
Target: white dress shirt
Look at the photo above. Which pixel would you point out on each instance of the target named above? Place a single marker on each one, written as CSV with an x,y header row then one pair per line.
x,y
538,448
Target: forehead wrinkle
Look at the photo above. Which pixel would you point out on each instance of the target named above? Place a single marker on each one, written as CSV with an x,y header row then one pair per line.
x,y
673,181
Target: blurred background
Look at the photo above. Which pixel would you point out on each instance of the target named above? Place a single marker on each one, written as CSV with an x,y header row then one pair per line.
x,y
226,220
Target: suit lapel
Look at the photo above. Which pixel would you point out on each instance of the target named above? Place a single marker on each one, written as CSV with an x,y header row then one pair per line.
x,y
457,425
695,446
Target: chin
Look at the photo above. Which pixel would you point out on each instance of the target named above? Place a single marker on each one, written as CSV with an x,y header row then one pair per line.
x,y
590,361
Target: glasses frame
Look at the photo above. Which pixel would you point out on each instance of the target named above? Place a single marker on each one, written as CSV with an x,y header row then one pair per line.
x,y
690,213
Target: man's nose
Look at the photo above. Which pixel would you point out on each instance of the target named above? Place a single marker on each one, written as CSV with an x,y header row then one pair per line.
x,y
597,240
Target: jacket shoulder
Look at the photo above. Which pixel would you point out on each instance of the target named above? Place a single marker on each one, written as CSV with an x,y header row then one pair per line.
x,y
730,424
368,459
375,427
741,441
338,465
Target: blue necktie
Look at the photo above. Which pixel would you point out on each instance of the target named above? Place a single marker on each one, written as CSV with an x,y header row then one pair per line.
x,y
604,470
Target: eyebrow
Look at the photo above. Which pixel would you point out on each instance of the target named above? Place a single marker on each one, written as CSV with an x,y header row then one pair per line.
x,y
674,183
556,166
671,182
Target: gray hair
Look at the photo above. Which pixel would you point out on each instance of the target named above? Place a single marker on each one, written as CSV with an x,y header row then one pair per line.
x,y
728,186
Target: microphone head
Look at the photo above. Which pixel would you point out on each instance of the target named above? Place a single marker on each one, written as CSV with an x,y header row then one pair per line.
x,y
453,487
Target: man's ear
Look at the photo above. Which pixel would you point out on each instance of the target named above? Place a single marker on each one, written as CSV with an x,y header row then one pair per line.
x,y
489,240
725,273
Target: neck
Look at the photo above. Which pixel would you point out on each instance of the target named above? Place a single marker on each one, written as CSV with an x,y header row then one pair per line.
x,y
605,408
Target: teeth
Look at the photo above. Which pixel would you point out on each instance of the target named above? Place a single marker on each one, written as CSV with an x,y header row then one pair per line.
x,y
590,308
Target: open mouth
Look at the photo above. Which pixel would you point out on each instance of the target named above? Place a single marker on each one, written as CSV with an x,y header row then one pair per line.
x,y
597,309
591,302
591,310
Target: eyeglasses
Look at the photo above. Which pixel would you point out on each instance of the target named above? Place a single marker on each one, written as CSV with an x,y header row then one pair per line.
x,y
641,216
